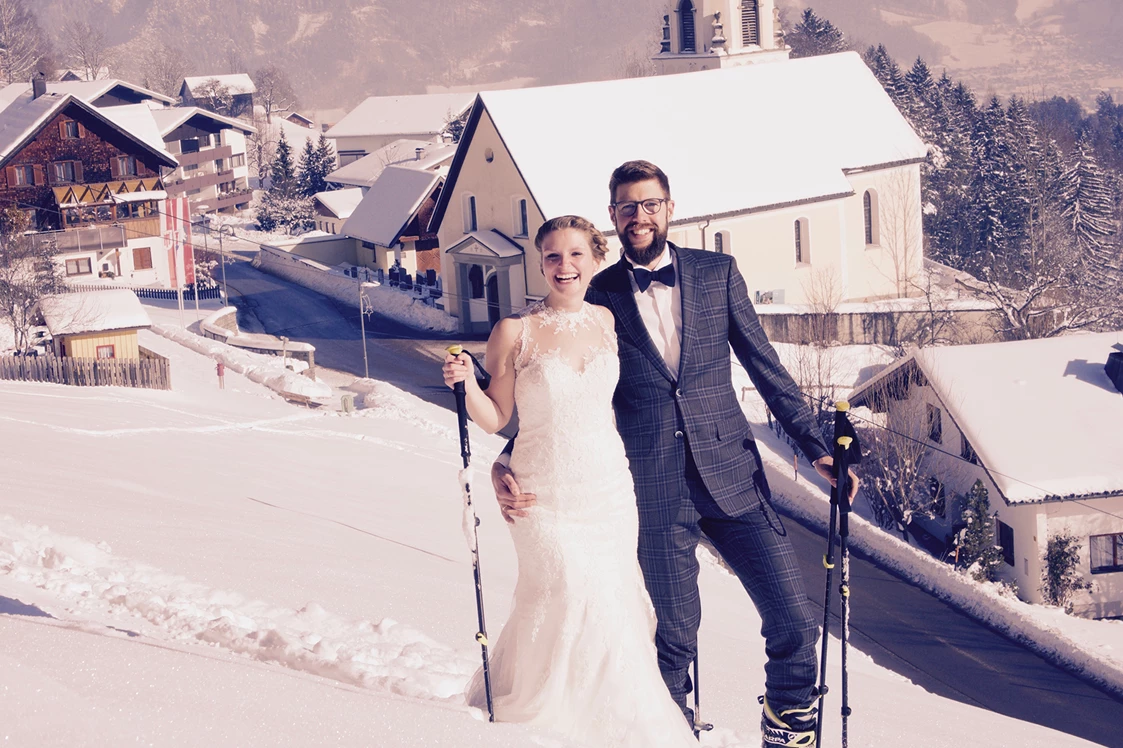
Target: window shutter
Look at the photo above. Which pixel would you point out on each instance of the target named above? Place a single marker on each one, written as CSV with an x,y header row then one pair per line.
x,y
115,167
40,174
81,130
11,170
78,172
62,129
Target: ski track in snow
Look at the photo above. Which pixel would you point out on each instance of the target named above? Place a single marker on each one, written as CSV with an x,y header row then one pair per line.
x,y
384,656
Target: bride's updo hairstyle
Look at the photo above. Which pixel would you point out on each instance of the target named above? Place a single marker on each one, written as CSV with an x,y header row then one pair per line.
x,y
597,241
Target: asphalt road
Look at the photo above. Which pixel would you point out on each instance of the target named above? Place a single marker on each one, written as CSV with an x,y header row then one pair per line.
x,y
896,623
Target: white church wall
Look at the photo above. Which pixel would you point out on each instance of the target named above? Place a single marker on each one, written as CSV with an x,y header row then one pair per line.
x,y
891,266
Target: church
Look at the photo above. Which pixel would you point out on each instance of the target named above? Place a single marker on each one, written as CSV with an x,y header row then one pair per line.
x,y
803,170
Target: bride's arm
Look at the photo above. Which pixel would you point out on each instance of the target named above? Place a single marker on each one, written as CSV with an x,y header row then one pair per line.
x,y
491,409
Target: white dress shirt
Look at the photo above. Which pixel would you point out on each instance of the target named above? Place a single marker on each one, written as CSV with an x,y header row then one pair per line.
x,y
660,308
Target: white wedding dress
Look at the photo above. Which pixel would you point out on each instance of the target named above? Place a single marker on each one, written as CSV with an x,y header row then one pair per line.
x,y
577,654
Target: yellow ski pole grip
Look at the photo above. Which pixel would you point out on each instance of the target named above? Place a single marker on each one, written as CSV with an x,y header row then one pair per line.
x,y
455,349
845,441
842,406
481,639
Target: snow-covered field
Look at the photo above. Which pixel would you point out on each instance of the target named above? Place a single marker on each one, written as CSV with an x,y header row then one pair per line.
x,y
205,567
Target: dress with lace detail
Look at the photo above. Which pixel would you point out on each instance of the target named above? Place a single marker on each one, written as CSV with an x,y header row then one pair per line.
x,y
577,653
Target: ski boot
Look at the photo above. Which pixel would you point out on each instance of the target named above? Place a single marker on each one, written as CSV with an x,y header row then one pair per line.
x,y
790,728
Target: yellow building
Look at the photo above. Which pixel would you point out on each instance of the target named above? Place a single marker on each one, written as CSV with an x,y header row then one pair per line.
x,y
99,324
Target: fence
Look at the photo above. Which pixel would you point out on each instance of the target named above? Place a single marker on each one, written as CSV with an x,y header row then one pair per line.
x,y
151,371
145,292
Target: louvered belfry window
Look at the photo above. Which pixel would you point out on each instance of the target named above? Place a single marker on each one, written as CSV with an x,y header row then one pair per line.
x,y
750,22
686,26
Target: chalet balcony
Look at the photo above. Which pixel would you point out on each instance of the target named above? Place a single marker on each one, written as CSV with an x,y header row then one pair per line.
x,y
103,237
203,156
226,200
179,187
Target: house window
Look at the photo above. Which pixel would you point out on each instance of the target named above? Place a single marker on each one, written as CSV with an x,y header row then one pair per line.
x,y
476,279
22,176
686,26
966,451
470,222
106,351
80,266
191,145
869,211
750,22
189,168
802,243
1006,541
218,165
205,141
64,172
142,258
238,159
126,166
935,424
1106,553
70,129
522,224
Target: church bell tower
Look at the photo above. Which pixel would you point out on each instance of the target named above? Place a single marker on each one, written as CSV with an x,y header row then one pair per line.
x,y
710,34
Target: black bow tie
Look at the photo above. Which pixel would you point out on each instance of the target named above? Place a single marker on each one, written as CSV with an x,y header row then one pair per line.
x,y
644,277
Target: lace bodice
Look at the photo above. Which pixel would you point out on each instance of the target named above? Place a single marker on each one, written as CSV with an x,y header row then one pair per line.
x,y
566,369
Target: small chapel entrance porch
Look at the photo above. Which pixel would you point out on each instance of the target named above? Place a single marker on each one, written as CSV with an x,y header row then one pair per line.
x,y
490,279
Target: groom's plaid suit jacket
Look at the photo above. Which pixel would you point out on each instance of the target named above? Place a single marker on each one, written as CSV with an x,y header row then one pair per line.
x,y
661,413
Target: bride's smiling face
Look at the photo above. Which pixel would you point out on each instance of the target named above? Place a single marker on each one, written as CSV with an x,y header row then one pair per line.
x,y
568,263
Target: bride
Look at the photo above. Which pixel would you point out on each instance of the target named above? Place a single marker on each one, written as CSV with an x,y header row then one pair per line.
x,y
577,654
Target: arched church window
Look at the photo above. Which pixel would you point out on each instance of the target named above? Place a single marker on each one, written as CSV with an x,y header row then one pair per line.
x,y
686,26
476,278
750,22
719,243
870,215
802,243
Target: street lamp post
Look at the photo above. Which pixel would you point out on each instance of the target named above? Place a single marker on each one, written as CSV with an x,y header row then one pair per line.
x,y
363,327
222,251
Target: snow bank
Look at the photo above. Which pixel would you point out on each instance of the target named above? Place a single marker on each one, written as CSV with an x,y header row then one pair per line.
x,y
397,305
380,655
267,370
1036,627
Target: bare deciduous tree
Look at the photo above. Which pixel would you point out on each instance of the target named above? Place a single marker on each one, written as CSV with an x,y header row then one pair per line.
x,y
164,70
22,40
214,95
274,91
815,364
902,234
87,48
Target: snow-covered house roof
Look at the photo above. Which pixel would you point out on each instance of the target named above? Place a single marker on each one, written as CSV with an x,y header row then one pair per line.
x,y
169,119
89,91
340,203
238,83
26,116
1042,415
402,115
139,120
402,152
755,137
390,204
98,311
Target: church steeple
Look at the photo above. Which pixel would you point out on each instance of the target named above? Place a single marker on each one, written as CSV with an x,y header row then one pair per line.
x,y
708,34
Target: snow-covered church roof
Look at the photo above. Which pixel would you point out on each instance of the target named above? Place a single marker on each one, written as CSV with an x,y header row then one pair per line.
x,y
731,141
1042,415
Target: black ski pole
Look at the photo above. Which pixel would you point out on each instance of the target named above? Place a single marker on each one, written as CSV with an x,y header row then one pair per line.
x,y
699,726
471,521
842,476
828,564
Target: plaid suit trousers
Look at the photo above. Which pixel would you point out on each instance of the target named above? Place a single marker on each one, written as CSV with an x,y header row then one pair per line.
x,y
755,545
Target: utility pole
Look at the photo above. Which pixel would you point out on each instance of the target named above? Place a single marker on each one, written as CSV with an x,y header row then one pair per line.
x,y
363,327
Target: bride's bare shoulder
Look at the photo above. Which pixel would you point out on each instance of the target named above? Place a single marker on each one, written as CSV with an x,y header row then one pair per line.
x,y
604,314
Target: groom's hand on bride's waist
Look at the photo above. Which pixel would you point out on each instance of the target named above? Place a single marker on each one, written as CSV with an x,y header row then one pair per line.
x,y
512,502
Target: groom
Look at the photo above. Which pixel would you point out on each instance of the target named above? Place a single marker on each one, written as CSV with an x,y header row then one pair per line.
x,y
692,454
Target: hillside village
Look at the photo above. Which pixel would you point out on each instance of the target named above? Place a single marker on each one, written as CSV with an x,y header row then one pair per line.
x,y
185,253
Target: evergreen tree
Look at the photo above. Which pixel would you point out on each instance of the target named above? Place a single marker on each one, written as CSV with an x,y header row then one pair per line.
x,y
1061,577
309,174
978,554
814,35
1089,205
281,171
326,156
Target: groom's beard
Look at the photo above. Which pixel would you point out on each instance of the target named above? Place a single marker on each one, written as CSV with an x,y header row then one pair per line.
x,y
645,256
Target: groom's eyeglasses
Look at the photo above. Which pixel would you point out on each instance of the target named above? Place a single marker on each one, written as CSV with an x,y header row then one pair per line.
x,y
629,208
